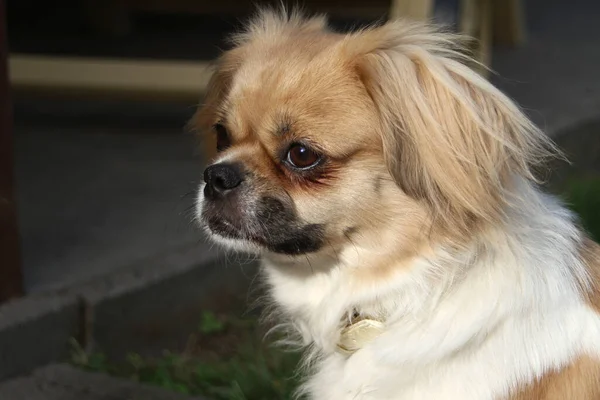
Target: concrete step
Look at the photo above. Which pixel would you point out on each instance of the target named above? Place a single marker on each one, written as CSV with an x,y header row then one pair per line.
x,y
64,382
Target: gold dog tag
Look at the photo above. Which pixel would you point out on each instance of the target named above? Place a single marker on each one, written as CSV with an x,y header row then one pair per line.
x,y
356,335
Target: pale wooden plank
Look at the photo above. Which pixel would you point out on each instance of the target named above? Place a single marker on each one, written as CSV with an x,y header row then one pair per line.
x,y
508,22
475,20
484,50
139,78
420,10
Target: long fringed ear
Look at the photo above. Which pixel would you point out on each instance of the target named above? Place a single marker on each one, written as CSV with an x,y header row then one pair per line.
x,y
449,137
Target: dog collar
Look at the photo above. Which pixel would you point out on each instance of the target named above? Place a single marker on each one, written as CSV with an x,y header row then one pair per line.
x,y
357,334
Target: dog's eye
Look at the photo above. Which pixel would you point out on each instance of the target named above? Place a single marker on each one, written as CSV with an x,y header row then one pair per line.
x,y
223,141
301,157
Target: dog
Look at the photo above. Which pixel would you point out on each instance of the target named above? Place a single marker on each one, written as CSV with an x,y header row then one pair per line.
x,y
392,195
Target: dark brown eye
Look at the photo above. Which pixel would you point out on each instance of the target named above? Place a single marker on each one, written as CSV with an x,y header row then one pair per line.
x,y
223,141
301,157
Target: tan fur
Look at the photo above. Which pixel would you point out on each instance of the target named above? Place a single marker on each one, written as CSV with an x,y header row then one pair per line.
x,y
447,136
581,379
254,93
396,94
590,252
578,381
218,86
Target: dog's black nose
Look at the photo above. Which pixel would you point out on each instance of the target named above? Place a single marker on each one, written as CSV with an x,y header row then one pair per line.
x,y
221,178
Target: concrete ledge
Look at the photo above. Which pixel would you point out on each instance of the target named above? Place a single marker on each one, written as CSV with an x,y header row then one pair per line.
x,y
62,382
35,331
157,304
145,308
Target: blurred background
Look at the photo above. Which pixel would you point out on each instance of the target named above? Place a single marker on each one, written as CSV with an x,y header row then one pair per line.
x,y
98,252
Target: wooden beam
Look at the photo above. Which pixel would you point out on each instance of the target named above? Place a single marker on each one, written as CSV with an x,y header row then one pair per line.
x,y
475,20
508,22
484,50
346,8
11,277
141,79
420,10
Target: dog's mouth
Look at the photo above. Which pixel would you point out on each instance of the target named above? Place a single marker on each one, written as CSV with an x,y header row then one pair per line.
x,y
292,241
226,229
222,227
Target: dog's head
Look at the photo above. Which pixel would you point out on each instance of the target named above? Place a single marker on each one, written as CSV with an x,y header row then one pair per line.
x,y
322,137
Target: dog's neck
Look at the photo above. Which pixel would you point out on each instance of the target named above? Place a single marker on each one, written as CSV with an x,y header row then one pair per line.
x,y
436,301
332,298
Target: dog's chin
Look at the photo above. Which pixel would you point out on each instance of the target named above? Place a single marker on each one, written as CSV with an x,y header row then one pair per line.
x,y
229,237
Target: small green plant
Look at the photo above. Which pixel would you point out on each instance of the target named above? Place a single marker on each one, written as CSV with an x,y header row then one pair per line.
x,y
210,324
583,197
94,361
228,361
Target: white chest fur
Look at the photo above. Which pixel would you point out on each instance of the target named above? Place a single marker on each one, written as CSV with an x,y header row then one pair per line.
x,y
486,367
470,327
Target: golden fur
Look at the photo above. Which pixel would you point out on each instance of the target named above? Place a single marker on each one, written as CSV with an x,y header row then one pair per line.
x,y
576,381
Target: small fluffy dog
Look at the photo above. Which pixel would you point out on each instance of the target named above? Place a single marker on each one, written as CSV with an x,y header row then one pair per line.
x,y
391,194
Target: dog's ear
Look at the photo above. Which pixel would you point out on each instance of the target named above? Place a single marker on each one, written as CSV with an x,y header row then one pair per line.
x,y
207,113
449,137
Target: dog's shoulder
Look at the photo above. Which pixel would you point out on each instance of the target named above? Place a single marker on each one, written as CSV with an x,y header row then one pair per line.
x,y
590,254
578,381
